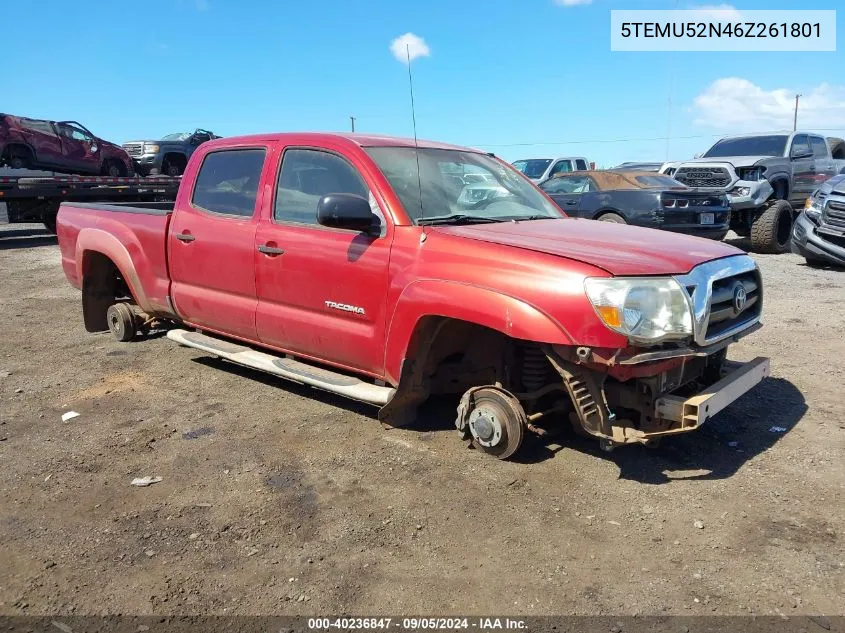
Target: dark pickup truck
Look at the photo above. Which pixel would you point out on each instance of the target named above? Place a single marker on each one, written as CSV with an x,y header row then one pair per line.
x,y
62,146
169,155
363,265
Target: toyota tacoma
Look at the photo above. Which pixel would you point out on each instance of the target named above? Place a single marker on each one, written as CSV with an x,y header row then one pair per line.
x,y
356,264
767,178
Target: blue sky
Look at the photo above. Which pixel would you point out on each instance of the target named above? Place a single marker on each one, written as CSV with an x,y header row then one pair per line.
x,y
521,78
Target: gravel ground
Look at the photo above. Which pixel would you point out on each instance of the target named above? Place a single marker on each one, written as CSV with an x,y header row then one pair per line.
x,y
277,499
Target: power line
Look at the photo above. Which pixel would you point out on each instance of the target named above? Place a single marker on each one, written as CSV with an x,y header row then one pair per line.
x,y
635,140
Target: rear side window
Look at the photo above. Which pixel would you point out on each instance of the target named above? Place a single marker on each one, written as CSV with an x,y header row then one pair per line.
x,y
228,180
819,146
580,165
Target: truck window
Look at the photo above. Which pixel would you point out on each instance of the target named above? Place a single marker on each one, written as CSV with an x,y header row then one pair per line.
x,y
819,147
800,142
560,167
580,165
44,127
306,176
227,182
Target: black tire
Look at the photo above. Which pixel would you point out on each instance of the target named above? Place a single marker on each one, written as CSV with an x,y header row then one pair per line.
x,y
771,232
112,169
172,168
18,161
612,217
121,320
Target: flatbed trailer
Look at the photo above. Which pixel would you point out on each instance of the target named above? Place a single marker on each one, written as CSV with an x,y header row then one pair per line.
x,y
37,199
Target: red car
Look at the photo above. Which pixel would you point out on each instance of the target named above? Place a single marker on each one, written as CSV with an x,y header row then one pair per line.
x,y
386,271
63,146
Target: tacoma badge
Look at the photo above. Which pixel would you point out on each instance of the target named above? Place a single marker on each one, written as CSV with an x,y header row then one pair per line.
x,y
344,307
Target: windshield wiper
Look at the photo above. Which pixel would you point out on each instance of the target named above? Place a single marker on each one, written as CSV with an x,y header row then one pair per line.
x,y
534,217
460,218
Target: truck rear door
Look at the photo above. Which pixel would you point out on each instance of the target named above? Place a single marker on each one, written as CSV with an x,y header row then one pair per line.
x,y
211,241
825,166
321,291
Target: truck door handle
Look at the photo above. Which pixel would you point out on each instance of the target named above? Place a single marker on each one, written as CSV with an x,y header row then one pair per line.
x,y
185,237
270,250
570,203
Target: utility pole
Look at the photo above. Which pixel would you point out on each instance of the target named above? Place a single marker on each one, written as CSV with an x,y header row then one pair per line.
x,y
352,121
795,117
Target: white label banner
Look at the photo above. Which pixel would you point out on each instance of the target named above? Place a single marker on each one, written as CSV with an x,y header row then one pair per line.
x,y
722,29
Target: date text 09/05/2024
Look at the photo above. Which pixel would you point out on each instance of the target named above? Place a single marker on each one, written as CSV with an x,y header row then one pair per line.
x,y
416,623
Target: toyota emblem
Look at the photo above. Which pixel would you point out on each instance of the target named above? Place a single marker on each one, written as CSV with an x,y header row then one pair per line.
x,y
740,298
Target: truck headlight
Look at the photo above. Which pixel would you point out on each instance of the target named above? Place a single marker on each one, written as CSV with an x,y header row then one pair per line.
x,y
751,174
150,148
646,310
813,207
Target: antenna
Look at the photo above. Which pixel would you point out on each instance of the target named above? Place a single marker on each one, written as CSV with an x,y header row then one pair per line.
x,y
416,143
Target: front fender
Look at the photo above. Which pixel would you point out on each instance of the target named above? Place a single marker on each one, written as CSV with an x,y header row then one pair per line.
x,y
464,302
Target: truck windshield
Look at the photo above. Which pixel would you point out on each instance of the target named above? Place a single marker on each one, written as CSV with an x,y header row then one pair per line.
x,y
442,190
533,167
774,145
176,136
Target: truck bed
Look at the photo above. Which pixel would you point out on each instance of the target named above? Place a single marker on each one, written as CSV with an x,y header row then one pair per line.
x,y
134,235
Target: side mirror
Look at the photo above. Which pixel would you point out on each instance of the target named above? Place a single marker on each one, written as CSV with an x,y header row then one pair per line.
x,y
800,153
346,211
696,156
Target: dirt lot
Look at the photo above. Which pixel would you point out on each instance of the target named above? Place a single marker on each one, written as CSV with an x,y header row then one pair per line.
x,y
286,500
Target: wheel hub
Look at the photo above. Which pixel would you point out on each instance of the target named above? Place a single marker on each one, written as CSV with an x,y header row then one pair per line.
x,y
485,427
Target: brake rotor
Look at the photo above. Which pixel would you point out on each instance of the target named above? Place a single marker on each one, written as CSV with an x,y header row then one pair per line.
x,y
494,419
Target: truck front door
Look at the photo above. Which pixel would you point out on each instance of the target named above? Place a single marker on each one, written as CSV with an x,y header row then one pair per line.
x,y
211,242
321,291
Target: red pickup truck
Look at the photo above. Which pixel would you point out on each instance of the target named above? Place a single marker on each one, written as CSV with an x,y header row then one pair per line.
x,y
388,271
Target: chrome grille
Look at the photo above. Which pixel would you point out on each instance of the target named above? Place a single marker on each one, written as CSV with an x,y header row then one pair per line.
x,y
711,287
703,176
834,214
723,309
134,149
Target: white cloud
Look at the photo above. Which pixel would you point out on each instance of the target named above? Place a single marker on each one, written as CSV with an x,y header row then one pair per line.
x,y
738,104
724,12
572,3
409,45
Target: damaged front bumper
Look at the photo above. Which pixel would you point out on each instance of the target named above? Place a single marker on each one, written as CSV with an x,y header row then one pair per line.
x,y
644,409
688,413
749,194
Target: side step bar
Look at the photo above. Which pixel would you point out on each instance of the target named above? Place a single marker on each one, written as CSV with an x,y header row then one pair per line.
x,y
285,367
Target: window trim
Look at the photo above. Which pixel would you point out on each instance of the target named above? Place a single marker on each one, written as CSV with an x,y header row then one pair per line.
x,y
232,216
316,225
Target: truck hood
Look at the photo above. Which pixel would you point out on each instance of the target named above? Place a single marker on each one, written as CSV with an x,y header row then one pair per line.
x,y
736,161
616,248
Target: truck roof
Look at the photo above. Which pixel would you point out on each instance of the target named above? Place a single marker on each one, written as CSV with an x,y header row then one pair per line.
x,y
362,140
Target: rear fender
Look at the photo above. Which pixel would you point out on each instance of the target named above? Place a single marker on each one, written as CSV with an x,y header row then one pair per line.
x,y
93,240
433,298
